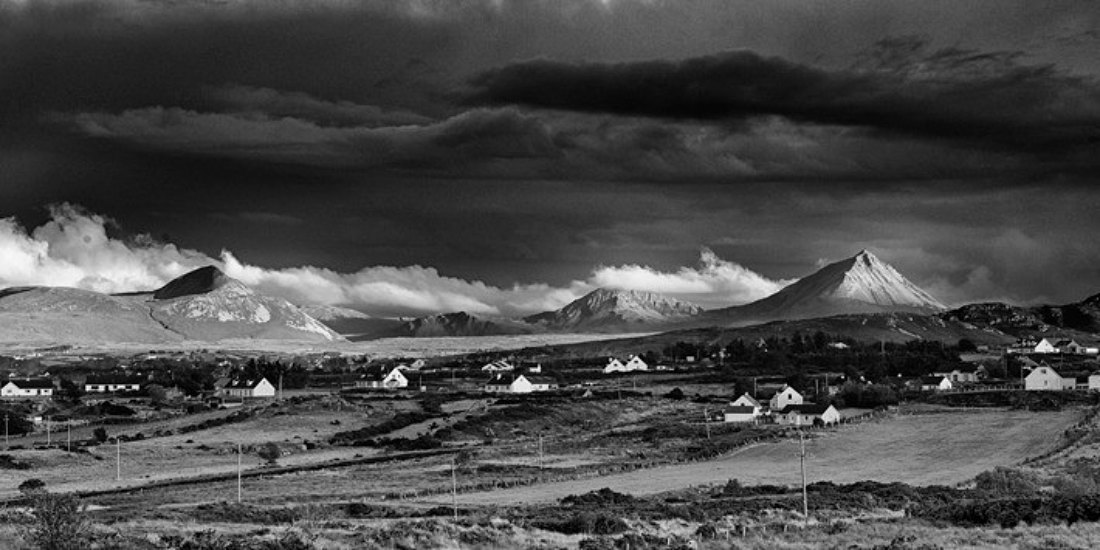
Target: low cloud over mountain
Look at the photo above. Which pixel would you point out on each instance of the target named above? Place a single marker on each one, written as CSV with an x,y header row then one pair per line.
x,y
75,248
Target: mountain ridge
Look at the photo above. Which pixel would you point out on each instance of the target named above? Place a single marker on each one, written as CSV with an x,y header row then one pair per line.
x,y
201,305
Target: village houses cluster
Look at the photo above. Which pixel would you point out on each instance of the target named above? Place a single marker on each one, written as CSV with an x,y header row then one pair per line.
x,y
786,407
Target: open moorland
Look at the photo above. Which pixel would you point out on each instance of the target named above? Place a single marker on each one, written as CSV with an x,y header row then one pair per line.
x,y
374,469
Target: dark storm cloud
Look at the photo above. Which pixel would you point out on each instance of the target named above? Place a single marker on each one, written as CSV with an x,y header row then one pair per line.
x,y
983,97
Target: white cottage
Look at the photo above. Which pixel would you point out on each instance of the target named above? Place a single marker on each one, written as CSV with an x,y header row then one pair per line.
x,y
784,398
614,365
27,388
743,409
509,384
808,414
1046,378
249,388
394,379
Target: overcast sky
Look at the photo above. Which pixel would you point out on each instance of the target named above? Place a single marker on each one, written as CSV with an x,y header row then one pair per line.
x,y
504,157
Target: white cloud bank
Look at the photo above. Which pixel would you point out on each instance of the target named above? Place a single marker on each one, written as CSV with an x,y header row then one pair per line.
x,y
74,249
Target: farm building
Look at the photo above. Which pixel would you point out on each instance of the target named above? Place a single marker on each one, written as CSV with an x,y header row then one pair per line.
x,y
27,388
614,365
1046,378
808,414
509,384
499,366
249,388
112,383
936,383
784,398
381,379
740,413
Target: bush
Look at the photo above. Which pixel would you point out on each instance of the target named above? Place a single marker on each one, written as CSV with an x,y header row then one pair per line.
x,y
271,453
100,434
59,523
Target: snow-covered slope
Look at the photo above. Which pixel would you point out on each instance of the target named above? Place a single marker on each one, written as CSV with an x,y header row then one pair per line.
x,y
203,305
332,313
610,310
860,284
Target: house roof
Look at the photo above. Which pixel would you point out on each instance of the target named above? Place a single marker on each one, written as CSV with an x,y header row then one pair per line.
x,y
932,379
806,408
750,398
244,384
29,384
107,379
379,374
504,380
740,409
541,380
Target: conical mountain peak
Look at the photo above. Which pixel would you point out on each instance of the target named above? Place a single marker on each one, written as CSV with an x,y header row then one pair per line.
x,y
860,284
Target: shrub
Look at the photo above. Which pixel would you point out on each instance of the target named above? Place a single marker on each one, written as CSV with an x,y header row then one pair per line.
x,y
271,453
100,434
59,523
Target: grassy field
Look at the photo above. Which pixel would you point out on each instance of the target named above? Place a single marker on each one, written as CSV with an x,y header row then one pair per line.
x,y
920,449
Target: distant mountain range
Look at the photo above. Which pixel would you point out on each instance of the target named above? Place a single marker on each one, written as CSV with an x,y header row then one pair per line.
x,y
860,284
860,297
204,305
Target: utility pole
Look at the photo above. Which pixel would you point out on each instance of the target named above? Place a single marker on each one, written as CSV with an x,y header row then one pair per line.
x,y
454,489
6,431
802,465
118,459
706,421
540,451
280,385
47,430
69,436
238,473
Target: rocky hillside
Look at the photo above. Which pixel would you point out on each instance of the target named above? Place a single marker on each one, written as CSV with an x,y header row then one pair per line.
x,y
203,305
604,310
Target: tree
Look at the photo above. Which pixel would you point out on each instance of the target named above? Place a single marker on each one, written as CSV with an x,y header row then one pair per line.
x,y
100,434
157,394
967,345
60,522
71,391
271,453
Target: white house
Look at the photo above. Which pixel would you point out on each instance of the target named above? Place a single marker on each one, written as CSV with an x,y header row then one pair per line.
x,y
1046,345
808,414
784,398
740,413
1045,378
743,409
249,388
614,365
498,366
381,379
112,383
936,383
509,384
636,363
27,388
